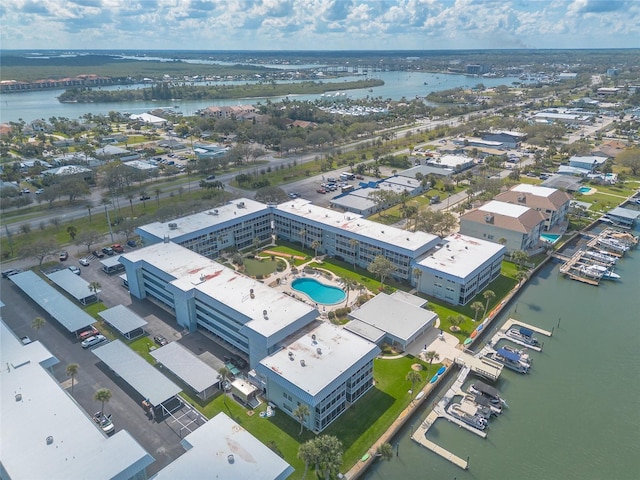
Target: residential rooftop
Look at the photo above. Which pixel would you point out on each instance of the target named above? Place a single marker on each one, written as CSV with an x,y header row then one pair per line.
x,y
461,255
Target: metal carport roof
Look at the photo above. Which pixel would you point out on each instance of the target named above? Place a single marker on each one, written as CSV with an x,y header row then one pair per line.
x,y
137,372
63,310
122,319
73,284
185,365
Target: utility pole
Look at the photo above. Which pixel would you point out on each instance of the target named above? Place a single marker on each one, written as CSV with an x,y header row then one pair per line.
x,y
109,222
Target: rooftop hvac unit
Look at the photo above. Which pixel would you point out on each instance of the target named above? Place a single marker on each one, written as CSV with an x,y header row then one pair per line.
x,y
319,350
173,226
240,204
302,363
488,218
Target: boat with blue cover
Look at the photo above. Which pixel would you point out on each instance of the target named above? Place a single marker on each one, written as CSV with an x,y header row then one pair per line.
x,y
509,359
524,335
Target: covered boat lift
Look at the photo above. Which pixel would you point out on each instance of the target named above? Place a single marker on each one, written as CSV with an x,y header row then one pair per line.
x,y
156,390
59,307
128,323
74,285
188,368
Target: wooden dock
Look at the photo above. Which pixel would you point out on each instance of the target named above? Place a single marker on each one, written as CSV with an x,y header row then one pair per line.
x,y
513,321
420,437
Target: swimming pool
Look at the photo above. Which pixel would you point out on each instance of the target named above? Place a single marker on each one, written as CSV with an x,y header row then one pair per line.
x,y
584,189
550,237
318,292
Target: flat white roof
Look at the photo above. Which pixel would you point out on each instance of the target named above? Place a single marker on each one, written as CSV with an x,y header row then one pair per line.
x,y
234,210
354,200
209,449
137,372
355,224
193,271
450,161
462,257
365,330
503,208
592,159
122,319
78,448
187,366
395,316
536,190
71,283
316,362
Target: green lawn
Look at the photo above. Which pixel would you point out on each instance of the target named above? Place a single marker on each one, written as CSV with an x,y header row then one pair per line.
x,y
289,250
253,267
360,275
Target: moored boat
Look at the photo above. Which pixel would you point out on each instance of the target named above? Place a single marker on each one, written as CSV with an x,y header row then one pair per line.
x,y
490,393
601,256
509,359
524,335
599,271
468,414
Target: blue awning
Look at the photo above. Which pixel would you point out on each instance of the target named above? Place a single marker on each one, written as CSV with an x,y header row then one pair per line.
x,y
527,332
514,357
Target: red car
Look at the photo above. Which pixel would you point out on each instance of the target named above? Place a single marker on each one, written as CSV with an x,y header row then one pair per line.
x,y
116,247
321,190
90,331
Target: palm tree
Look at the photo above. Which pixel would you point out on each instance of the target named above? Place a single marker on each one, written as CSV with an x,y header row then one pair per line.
x,y
102,395
158,191
72,371
315,245
130,198
72,231
417,275
348,284
430,356
225,373
476,307
385,451
309,453
488,296
353,243
143,197
521,276
89,206
413,377
95,288
301,412
455,321
38,323
303,234
330,454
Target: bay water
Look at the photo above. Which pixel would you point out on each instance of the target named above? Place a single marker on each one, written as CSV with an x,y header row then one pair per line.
x,y
576,415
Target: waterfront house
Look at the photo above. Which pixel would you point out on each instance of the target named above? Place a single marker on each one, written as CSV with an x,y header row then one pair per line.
x,y
551,202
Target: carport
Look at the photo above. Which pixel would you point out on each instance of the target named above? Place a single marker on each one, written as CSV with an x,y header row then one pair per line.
x,y
157,390
188,368
129,324
61,309
112,265
74,285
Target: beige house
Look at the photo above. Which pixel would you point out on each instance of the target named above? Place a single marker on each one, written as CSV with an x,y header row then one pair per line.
x,y
551,202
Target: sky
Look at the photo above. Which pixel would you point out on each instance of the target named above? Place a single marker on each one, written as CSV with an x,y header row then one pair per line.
x,y
318,24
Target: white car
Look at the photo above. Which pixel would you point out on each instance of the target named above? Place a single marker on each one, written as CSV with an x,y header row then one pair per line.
x,y
74,269
84,262
92,341
105,423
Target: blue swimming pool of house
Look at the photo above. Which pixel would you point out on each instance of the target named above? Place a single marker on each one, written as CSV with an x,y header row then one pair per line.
x,y
584,189
319,292
550,237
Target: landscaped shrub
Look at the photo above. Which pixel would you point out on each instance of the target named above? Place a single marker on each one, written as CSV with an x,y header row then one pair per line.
x,y
331,315
342,312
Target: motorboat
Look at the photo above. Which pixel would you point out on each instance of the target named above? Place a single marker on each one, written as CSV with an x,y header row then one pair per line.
x,y
524,356
482,401
492,394
599,271
612,244
524,335
509,359
467,414
601,256
484,411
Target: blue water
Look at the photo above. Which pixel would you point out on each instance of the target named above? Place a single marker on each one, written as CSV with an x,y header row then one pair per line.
x,y
549,237
584,189
319,292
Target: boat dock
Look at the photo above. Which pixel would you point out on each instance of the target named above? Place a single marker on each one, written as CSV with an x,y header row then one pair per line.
x,y
482,367
502,334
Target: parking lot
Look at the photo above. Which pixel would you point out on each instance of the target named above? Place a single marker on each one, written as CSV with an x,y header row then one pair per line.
x,y
161,440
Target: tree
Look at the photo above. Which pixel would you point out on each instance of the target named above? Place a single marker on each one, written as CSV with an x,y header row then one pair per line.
x,y
102,395
330,454
130,198
88,238
476,307
430,356
225,373
353,243
519,257
303,234
417,275
521,275
38,323
271,195
315,245
385,451
301,412
158,192
488,296
630,158
455,321
40,249
348,284
72,371
413,377
309,453
95,287
381,267
72,231
384,198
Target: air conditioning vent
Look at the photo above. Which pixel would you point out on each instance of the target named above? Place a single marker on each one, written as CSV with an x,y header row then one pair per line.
x,y
319,351
173,226
302,363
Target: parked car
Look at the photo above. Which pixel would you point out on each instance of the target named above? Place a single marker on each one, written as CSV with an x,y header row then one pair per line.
x,y
117,248
359,177
293,195
84,262
239,362
211,177
89,331
63,256
108,250
25,340
74,269
11,271
104,422
97,254
160,340
39,191
144,197
132,243
93,341
321,190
